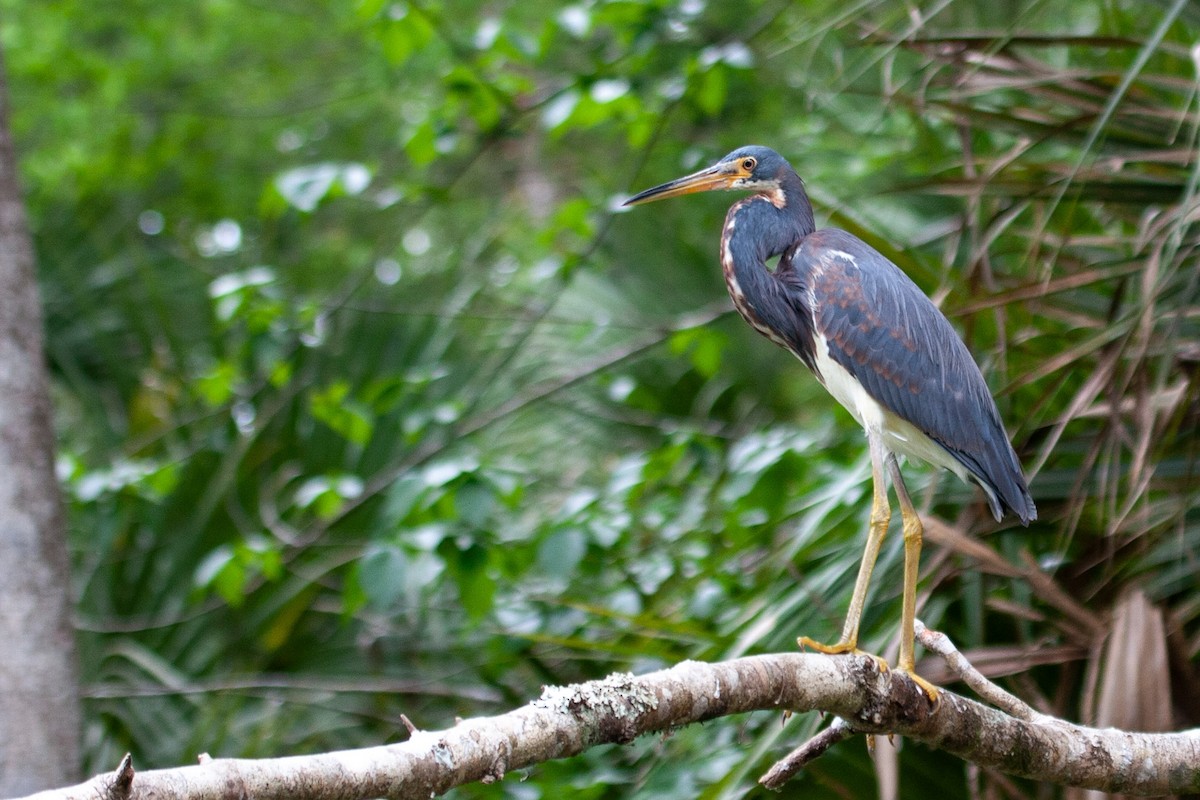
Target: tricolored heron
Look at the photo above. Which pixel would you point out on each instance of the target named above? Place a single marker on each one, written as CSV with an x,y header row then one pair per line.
x,y
875,341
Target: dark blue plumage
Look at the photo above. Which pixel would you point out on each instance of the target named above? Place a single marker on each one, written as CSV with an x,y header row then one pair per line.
x,y
882,329
834,291
876,342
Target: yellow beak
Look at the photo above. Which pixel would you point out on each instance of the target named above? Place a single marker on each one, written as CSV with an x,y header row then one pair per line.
x,y
708,179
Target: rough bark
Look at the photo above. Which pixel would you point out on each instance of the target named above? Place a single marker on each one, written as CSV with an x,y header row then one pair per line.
x,y
567,721
39,696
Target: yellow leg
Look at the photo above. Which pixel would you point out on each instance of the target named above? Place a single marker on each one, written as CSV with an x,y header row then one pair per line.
x,y
881,515
913,531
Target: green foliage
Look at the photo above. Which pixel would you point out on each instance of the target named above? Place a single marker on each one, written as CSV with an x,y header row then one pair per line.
x,y
371,403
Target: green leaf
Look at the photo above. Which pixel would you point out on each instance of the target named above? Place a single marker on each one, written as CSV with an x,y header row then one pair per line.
x,y
477,590
307,187
705,348
281,373
383,575
369,9
474,501
217,386
350,419
707,354
404,34
421,147
326,494
469,568
221,572
560,553
402,498
711,89
228,569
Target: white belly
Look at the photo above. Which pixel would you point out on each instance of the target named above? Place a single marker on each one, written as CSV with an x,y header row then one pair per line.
x,y
898,435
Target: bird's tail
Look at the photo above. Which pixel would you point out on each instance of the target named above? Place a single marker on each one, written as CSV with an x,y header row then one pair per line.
x,y
1006,488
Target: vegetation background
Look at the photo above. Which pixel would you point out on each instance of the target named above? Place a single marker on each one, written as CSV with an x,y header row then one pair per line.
x,y
372,402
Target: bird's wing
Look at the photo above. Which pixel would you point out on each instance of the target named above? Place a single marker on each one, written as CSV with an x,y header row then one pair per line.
x,y
882,328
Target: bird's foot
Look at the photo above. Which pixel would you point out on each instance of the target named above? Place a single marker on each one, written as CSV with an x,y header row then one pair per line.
x,y
931,691
842,648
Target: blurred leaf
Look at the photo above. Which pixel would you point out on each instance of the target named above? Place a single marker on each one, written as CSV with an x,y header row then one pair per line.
x,y
383,575
347,417
711,89
421,146
405,33
469,569
227,570
561,552
326,494
306,187
474,501
217,386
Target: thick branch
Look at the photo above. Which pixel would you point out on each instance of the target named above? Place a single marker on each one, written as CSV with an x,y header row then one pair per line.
x,y
567,721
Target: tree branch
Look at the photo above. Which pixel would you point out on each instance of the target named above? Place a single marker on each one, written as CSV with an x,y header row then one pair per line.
x,y
940,643
565,721
805,754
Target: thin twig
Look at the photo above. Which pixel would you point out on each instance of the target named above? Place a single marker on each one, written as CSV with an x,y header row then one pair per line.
x,y
786,768
940,643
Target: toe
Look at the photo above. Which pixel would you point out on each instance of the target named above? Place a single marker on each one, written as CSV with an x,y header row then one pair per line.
x,y
931,691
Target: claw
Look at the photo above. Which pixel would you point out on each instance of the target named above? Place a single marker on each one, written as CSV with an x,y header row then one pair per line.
x,y
842,648
931,691
828,649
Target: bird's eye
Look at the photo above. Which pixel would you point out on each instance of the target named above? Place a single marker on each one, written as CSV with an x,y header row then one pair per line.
x,y
748,164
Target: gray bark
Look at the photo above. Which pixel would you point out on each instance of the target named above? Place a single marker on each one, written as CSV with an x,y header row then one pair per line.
x,y
565,721
39,694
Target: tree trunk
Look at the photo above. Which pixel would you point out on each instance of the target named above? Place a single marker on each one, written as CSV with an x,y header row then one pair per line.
x,y
39,692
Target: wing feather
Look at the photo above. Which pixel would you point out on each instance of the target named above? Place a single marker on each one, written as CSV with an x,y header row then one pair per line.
x,y
882,328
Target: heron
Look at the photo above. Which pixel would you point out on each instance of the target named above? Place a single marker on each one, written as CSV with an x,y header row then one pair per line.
x,y
877,344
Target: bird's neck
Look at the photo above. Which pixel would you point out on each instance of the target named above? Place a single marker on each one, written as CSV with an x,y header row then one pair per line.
x,y
758,229
765,225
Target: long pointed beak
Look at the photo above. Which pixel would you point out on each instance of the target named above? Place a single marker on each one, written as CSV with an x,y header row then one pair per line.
x,y
706,180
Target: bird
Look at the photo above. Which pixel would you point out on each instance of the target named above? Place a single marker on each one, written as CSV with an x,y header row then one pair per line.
x,y
876,342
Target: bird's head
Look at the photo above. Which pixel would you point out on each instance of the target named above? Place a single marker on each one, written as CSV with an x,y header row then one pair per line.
x,y
753,168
